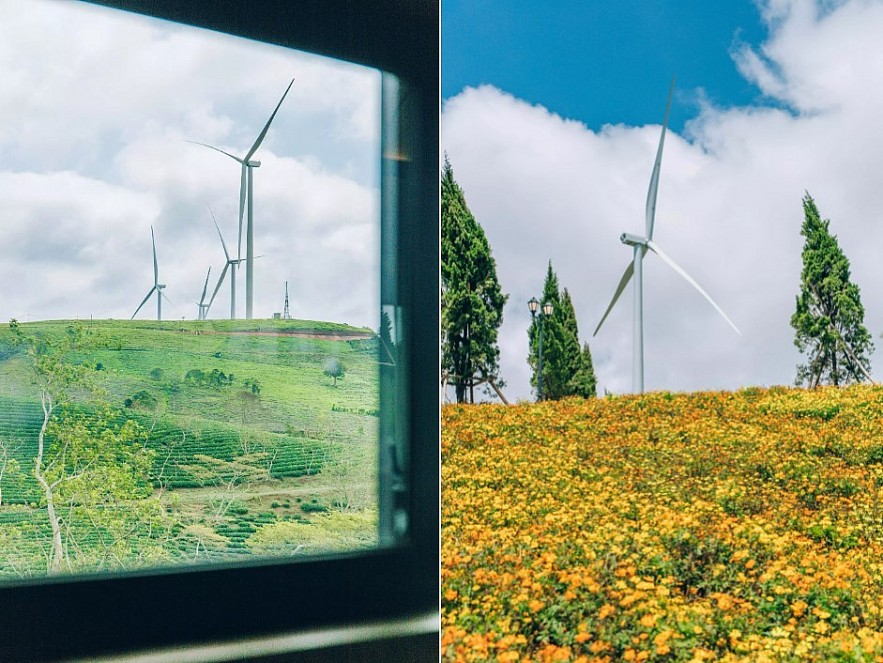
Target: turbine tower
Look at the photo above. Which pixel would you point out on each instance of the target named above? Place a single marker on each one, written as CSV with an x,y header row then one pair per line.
x,y
157,286
246,191
286,314
640,245
203,307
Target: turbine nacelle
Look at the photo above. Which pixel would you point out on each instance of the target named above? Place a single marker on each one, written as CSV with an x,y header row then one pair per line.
x,y
253,163
633,240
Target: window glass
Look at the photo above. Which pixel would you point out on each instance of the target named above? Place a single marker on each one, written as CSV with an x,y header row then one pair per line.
x,y
191,343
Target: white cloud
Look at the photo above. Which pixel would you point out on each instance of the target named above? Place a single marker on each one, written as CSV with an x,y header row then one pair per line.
x,y
729,208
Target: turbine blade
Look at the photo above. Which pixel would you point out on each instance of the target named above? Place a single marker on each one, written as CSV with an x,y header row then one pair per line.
x,y
216,149
223,243
263,133
155,265
671,263
218,286
143,302
162,294
650,212
623,282
242,185
205,287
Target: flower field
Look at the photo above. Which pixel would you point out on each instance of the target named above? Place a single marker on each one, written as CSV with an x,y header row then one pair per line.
x,y
676,527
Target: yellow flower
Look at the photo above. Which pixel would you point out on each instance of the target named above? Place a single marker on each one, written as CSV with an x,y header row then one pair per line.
x,y
649,620
605,611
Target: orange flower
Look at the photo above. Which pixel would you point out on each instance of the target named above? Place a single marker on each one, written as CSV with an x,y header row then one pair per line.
x,y
605,611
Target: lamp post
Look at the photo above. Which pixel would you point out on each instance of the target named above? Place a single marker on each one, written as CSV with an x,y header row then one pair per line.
x,y
533,305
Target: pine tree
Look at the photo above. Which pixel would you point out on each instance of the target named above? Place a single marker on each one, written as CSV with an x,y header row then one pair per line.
x,y
472,300
829,317
567,368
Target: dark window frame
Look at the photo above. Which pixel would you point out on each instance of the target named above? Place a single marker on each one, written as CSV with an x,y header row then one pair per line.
x,y
89,617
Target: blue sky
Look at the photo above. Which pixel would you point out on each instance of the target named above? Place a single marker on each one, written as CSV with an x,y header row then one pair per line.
x,y
551,117
601,61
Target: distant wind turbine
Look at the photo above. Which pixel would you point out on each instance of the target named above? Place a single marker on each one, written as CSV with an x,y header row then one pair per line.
x,y
246,184
231,262
640,247
203,307
234,262
157,286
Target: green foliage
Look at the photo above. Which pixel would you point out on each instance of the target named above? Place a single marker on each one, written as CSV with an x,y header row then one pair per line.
x,y
828,320
142,398
471,298
207,446
567,367
214,378
334,369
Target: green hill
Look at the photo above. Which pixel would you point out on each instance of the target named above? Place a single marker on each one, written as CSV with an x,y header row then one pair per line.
x,y
239,412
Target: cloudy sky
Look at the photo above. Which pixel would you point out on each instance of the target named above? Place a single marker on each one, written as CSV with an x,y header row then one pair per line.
x,y
773,99
97,106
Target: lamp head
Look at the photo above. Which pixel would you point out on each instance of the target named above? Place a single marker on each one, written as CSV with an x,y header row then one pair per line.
x,y
548,308
533,305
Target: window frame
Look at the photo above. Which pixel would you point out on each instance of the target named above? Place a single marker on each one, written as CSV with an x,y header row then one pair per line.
x,y
191,607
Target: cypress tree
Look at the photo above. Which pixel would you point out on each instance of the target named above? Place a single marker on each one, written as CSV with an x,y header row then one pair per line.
x,y
471,298
567,368
583,383
828,320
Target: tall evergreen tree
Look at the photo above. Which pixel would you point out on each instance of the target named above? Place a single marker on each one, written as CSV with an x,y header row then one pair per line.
x,y
567,368
472,300
829,317
583,383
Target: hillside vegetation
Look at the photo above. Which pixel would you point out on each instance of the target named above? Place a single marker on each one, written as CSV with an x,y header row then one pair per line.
x,y
677,527
252,448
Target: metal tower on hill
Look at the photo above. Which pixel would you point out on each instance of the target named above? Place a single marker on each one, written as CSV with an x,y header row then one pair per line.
x,y
286,314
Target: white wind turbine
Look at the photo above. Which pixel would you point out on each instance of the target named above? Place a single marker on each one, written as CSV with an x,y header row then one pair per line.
x,y
234,262
246,184
640,246
203,307
157,286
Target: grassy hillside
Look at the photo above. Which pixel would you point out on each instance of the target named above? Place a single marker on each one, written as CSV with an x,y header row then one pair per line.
x,y
239,415
682,527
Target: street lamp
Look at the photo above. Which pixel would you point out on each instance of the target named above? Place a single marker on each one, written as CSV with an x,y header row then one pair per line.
x,y
533,305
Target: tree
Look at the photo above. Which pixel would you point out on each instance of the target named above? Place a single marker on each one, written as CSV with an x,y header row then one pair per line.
x,y
92,471
471,298
828,320
334,369
567,367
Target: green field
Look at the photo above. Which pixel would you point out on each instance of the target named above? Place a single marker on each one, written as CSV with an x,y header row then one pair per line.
x,y
252,447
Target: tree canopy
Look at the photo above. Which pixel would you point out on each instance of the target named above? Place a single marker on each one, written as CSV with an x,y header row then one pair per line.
x,y
829,316
471,298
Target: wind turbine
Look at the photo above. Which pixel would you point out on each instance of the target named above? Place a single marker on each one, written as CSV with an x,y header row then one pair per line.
x,y
640,245
246,184
157,286
203,307
234,262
